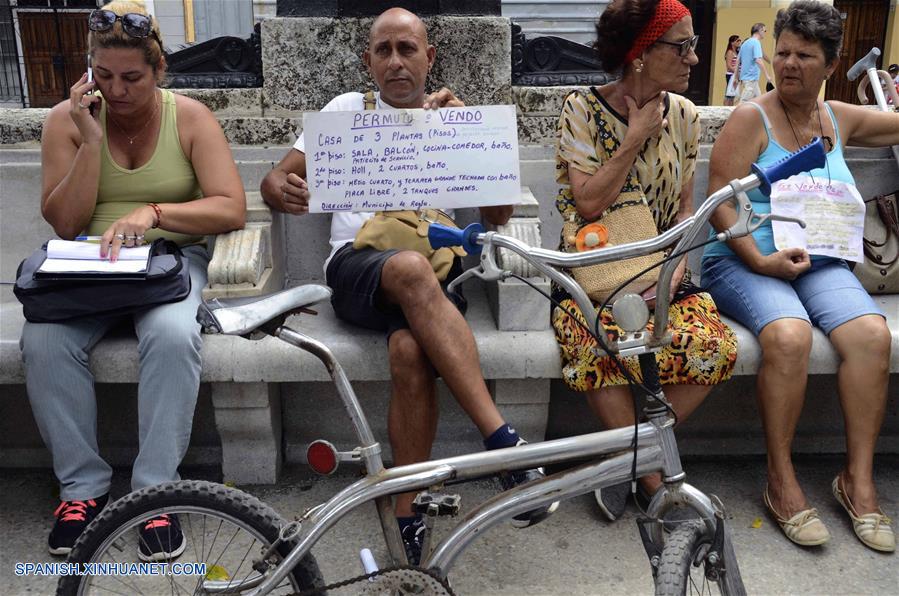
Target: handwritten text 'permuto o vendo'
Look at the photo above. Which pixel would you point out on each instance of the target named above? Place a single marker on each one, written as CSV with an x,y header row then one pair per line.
x,y
410,159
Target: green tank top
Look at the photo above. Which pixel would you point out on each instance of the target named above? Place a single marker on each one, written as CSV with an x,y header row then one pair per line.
x,y
168,177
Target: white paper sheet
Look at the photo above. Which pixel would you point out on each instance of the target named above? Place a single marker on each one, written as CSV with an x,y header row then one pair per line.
x,y
834,215
408,159
67,256
91,266
71,249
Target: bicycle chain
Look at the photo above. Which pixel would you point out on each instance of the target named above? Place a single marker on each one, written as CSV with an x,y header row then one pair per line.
x,y
381,572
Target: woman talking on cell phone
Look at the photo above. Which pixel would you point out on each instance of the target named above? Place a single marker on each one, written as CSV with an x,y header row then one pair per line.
x,y
128,161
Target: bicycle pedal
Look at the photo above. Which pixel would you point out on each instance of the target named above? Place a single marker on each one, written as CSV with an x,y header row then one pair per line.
x,y
438,504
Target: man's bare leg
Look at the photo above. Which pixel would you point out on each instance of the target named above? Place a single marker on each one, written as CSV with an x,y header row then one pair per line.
x,y
412,416
442,332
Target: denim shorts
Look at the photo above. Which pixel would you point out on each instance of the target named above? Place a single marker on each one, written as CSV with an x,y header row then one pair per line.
x,y
355,278
827,295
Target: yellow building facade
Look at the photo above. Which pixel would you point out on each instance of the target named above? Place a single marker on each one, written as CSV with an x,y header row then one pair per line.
x,y
735,17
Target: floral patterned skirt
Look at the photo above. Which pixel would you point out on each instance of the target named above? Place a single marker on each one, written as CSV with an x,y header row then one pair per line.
x,y
703,349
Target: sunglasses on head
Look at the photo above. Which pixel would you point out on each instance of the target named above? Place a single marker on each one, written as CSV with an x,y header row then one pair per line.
x,y
683,47
134,24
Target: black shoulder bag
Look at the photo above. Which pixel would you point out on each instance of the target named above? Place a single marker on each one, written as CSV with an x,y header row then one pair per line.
x,y
58,300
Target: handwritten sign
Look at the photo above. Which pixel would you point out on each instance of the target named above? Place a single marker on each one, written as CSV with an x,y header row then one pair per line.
x,y
409,159
834,214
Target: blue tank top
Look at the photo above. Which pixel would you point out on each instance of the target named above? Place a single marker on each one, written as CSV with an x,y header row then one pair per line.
x,y
836,169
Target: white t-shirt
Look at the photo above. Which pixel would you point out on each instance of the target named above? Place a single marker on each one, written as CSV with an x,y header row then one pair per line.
x,y
345,224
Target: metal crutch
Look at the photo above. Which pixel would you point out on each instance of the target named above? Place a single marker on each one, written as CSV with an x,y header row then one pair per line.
x,y
878,79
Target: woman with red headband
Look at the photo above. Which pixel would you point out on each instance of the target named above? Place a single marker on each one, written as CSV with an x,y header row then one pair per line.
x,y
638,125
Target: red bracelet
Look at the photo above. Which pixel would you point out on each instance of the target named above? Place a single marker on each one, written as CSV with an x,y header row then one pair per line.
x,y
158,214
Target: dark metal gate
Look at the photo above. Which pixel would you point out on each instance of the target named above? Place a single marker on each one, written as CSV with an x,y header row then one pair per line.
x,y
47,45
10,74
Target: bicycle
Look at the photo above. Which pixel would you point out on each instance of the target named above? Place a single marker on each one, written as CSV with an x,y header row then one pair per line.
x,y
260,553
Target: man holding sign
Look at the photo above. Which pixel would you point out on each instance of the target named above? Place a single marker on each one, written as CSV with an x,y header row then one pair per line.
x,y
396,291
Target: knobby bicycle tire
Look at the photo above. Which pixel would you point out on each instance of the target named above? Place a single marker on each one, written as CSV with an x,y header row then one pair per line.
x,y
683,546
206,501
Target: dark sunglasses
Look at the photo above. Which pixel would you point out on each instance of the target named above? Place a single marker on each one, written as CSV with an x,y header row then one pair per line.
x,y
683,47
134,24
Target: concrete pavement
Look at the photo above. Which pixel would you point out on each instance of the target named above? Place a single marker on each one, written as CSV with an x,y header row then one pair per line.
x,y
574,552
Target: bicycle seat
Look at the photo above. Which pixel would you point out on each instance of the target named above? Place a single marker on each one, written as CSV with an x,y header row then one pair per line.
x,y
243,315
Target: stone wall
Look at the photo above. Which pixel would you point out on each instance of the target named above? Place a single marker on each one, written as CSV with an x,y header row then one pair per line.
x,y
248,120
297,54
307,61
539,108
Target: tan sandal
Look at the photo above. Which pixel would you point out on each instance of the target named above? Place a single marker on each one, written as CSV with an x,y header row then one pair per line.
x,y
873,529
805,528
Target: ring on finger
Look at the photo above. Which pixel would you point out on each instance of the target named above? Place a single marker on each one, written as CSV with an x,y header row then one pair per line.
x,y
120,237
82,106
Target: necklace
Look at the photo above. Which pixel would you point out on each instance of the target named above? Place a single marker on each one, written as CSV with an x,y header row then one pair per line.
x,y
143,128
828,142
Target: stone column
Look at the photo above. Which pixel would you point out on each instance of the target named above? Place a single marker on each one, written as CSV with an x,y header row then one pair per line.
x,y
248,418
524,403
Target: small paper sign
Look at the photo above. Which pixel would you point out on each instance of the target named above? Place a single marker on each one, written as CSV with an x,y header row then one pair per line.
x,y
390,160
834,214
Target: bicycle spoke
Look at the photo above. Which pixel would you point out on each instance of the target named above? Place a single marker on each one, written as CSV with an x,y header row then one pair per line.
x,y
111,591
224,550
193,546
134,589
171,579
243,560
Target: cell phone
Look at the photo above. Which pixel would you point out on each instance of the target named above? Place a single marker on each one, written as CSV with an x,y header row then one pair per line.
x,y
90,79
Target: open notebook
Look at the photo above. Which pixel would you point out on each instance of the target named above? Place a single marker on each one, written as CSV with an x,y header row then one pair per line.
x,y
72,257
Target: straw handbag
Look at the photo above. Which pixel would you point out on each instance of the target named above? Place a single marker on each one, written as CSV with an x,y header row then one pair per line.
x,y
628,219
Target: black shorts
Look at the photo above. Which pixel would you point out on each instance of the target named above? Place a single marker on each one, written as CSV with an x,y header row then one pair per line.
x,y
355,278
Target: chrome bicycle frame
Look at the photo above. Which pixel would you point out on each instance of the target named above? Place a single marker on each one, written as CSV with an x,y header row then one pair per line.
x,y
656,451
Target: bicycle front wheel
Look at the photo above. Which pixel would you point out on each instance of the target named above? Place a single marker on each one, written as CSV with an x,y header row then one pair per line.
x,y
684,567
226,534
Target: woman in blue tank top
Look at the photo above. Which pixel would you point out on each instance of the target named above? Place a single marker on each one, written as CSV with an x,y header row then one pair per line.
x,y
781,294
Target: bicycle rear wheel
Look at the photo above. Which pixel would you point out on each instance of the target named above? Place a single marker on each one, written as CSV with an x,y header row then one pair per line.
x,y
226,533
684,567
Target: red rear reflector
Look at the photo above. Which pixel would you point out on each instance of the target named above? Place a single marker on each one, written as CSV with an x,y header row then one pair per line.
x,y
322,457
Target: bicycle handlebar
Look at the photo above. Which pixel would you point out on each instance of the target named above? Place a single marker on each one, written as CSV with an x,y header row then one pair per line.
x,y
806,158
440,236
685,234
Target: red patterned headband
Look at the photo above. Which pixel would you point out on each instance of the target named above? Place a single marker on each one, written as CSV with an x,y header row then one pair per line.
x,y
668,12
